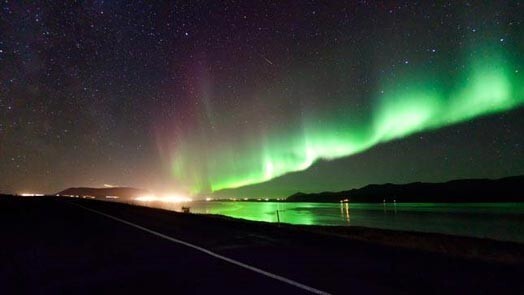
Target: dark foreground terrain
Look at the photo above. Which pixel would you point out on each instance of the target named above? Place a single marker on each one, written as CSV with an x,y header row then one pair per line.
x,y
52,245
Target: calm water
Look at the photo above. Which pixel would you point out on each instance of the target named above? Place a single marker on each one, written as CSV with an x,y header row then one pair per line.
x,y
501,221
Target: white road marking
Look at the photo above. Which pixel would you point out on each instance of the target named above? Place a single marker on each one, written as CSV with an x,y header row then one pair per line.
x,y
210,253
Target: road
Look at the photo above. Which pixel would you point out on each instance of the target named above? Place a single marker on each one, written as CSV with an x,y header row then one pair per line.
x,y
56,246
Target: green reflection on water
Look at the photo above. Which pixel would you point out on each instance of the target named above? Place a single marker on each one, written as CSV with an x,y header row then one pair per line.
x,y
503,221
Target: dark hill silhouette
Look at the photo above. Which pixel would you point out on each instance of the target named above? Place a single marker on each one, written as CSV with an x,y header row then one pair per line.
x,y
509,189
121,192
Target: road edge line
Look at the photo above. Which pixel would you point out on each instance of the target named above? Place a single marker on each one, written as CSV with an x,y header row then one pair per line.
x,y
208,252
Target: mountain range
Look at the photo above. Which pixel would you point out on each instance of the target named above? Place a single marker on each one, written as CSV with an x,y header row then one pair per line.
x,y
509,189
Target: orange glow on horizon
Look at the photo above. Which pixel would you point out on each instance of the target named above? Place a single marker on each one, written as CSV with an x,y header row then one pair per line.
x,y
31,195
169,198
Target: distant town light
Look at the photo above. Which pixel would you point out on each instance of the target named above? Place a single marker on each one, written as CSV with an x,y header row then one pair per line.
x,y
31,195
175,198
146,198
170,198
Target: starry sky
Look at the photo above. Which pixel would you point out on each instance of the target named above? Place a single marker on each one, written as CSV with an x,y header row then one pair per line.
x,y
258,98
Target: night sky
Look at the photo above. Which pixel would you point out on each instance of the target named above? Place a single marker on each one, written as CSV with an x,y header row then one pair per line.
x,y
271,96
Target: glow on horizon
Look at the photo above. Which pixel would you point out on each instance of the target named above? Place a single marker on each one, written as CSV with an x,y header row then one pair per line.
x,y
168,198
31,195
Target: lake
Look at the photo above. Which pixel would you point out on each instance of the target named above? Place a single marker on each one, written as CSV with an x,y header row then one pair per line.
x,y
500,221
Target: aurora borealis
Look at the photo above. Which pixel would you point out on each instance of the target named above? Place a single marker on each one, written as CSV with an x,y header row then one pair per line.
x,y
212,96
488,85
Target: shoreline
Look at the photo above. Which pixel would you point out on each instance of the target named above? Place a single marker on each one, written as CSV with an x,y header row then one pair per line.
x,y
483,249
492,221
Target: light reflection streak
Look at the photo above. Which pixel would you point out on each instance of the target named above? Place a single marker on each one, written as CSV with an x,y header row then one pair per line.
x,y
344,211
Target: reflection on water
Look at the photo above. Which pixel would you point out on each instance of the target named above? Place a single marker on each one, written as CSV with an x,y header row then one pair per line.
x,y
502,221
344,212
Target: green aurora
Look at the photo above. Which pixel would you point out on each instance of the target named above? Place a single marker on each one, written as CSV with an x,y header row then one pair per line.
x,y
416,101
